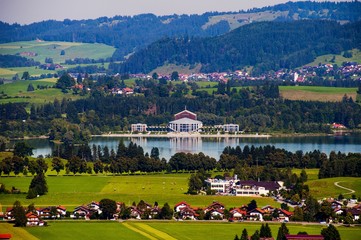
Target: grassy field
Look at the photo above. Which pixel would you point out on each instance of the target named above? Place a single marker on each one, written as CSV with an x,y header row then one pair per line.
x,y
158,230
311,93
17,91
322,188
339,59
72,191
9,73
45,49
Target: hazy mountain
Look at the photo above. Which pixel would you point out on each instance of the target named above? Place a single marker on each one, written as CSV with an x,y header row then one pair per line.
x,y
129,34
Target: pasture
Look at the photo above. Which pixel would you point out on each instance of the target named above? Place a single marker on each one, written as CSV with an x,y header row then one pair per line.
x,y
17,92
159,230
322,188
44,49
72,191
312,93
339,59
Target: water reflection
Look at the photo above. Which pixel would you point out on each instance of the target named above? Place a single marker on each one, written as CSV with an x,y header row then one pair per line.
x,y
214,146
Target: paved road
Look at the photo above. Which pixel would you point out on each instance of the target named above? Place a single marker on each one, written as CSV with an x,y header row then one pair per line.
x,y
348,189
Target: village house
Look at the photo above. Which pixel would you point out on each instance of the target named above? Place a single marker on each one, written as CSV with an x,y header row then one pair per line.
x,y
284,215
135,213
187,213
33,220
255,215
238,214
180,205
82,212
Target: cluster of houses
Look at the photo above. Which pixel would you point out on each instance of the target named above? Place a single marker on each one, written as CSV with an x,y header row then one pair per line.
x,y
35,218
217,211
299,75
182,211
353,209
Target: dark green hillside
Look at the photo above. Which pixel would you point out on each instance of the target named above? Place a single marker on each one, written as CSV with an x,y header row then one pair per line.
x,y
131,33
264,45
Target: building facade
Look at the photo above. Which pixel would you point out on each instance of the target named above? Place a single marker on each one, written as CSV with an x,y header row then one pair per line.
x,y
185,121
139,127
237,187
231,128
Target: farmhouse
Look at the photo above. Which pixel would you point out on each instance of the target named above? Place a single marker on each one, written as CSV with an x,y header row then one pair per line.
x,y
243,188
185,121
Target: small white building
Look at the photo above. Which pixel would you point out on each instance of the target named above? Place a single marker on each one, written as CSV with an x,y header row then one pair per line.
x,y
231,128
139,127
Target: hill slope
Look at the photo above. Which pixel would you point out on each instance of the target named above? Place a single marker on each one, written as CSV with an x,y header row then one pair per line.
x,y
264,45
131,33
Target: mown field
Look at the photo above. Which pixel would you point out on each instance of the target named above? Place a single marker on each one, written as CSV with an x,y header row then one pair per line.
x,y
72,191
315,93
17,92
158,230
52,50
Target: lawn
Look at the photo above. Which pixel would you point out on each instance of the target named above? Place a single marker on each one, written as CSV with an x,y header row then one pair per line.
x,y
17,92
33,71
72,191
312,93
52,50
158,230
322,188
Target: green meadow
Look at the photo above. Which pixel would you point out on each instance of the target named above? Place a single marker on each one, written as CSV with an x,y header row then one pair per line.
x,y
322,188
339,59
316,93
17,92
72,191
45,49
159,230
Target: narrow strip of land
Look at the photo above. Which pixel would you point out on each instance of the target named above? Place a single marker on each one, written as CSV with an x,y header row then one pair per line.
x,y
156,232
348,189
148,236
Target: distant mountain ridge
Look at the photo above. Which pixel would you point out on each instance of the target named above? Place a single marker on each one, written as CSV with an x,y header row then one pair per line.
x,y
129,34
264,46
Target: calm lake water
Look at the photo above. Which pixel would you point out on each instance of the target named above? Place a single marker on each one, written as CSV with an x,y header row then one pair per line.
x,y
214,146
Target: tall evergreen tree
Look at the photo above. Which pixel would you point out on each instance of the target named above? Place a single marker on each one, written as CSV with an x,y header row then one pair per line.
x,y
330,233
244,235
282,232
19,214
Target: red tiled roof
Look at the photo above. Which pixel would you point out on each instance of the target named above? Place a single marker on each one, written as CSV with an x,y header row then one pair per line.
x,y
180,203
287,213
5,236
304,237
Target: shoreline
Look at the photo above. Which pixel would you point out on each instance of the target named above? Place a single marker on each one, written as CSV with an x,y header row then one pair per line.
x,y
184,135
198,135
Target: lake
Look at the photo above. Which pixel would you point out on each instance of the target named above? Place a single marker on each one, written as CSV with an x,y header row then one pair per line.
x,y
214,146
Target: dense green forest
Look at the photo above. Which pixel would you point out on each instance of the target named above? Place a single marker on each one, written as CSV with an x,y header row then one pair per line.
x,y
265,45
129,33
7,61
